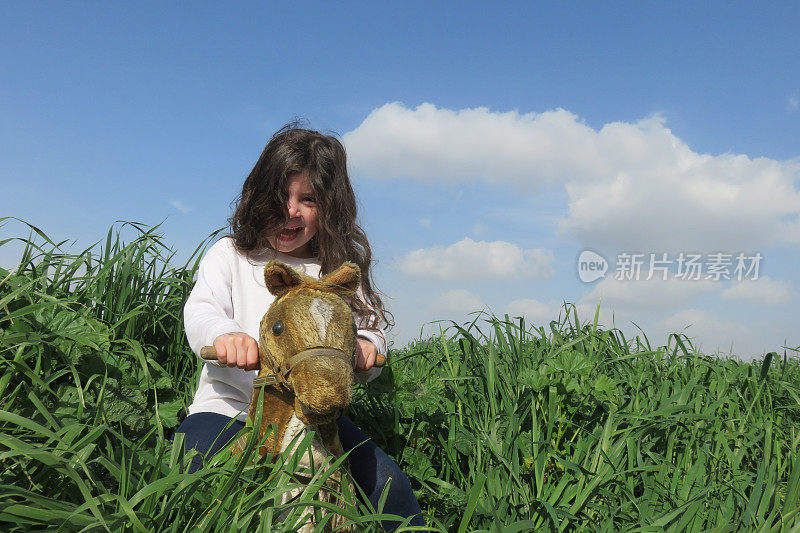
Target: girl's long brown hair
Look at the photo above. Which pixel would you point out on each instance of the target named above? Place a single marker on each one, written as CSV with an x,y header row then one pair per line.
x,y
261,208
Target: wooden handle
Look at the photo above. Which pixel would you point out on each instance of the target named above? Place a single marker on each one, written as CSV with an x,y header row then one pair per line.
x,y
209,353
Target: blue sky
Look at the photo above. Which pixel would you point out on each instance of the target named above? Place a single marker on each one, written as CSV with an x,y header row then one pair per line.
x,y
489,141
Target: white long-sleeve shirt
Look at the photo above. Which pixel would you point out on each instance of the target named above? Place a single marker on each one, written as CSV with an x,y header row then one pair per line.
x,y
230,295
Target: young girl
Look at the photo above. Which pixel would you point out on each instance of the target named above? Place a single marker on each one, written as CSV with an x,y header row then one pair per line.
x,y
296,206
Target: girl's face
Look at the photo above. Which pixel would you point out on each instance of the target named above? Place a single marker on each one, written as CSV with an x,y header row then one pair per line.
x,y
294,239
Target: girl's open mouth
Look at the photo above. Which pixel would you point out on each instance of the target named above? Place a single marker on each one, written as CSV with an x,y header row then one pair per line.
x,y
289,234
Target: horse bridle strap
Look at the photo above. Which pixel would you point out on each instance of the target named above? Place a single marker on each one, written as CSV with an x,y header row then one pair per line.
x,y
286,368
313,352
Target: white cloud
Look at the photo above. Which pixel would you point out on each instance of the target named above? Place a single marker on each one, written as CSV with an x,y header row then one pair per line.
x,y
631,186
711,334
481,260
456,302
180,206
794,103
688,203
629,305
425,222
764,291
433,144
647,294
533,310
626,304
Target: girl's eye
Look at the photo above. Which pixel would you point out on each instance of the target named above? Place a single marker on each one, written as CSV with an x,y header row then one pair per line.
x,y
277,328
309,199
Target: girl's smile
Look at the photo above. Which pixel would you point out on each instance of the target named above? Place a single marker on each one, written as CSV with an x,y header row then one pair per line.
x,y
295,238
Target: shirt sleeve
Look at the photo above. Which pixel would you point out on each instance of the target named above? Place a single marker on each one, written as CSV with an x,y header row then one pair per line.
x,y
376,337
208,312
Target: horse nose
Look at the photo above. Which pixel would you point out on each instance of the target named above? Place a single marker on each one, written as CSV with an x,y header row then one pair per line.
x,y
323,385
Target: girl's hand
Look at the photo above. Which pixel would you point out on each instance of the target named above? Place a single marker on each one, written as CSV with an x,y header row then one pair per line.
x,y
237,349
365,357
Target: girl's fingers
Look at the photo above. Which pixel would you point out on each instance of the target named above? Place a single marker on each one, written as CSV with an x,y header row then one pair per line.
x,y
237,350
252,355
233,351
246,353
241,352
369,359
222,352
365,358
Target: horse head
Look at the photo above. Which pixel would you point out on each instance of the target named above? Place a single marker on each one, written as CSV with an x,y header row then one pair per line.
x,y
307,339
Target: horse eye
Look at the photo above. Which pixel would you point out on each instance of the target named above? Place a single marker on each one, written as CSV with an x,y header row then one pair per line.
x,y
277,328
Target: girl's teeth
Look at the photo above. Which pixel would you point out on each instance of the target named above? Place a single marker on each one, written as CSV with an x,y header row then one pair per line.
x,y
289,234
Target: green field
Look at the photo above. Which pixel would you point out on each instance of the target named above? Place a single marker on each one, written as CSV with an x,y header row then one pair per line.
x,y
500,425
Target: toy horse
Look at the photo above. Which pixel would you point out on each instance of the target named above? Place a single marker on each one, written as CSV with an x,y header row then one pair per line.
x,y
307,347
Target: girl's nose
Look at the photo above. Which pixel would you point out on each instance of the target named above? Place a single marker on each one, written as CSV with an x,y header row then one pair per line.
x,y
293,209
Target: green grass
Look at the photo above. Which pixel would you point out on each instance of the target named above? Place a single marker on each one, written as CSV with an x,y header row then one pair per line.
x,y
499,425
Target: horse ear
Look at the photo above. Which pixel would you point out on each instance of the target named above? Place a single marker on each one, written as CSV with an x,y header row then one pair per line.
x,y
280,277
343,281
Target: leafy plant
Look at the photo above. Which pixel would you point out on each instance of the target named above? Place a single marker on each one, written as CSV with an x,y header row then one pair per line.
x,y
499,425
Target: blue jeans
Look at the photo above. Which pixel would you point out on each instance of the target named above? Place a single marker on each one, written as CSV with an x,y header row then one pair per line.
x,y
370,466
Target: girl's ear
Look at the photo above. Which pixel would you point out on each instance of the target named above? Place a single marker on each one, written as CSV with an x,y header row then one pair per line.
x,y
343,281
280,277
